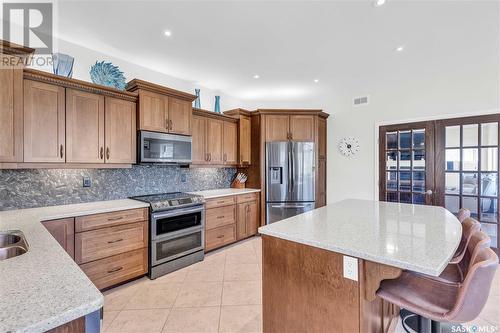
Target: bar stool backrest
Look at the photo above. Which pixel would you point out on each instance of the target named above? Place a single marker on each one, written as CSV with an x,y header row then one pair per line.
x,y
463,214
479,240
474,292
469,227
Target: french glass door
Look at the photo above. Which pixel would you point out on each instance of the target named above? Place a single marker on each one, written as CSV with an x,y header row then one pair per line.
x,y
407,163
451,163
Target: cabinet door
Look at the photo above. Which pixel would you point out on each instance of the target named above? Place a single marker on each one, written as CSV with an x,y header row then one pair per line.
x,y
120,132
245,140
44,122
321,197
199,140
153,112
11,114
322,138
276,128
214,141
252,218
230,143
180,114
63,230
84,127
241,221
302,128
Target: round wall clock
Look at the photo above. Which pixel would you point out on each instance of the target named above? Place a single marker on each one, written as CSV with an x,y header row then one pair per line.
x,y
348,146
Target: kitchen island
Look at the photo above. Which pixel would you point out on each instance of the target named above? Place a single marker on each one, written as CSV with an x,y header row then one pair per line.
x,y
321,269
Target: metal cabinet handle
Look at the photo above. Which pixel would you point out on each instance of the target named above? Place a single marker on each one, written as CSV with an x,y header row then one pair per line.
x,y
221,236
101,154
166,124
115,269
220,217
107,153
170,124
210,157
115,241
115,218
429,192
61,151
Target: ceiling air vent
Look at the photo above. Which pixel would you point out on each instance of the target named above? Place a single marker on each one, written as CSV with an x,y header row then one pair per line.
x,y
360,101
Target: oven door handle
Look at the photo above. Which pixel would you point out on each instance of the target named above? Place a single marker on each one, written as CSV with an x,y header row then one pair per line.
x,y
178,233
176,212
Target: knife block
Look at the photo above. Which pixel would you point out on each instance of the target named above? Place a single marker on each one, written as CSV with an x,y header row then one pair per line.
x,y
237,184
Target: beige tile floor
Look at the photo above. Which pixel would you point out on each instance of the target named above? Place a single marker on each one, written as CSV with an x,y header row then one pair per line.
x,y
220,294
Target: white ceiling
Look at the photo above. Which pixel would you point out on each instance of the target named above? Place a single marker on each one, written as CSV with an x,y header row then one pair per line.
x,y
222,44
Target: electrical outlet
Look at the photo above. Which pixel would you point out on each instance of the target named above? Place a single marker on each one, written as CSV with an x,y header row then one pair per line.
x,y
87,182
183,178
350,268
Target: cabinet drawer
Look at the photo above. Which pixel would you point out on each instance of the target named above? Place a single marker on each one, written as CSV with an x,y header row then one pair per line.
x,y
247,197
218,202
221,236
106,242
96,221
220,216
113,270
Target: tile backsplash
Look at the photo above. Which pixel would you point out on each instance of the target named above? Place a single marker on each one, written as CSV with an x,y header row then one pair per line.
x,y
48,187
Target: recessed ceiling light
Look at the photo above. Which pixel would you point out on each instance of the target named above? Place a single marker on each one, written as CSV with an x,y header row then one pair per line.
x,y
316,80
167,33
379,3
400,48
256,76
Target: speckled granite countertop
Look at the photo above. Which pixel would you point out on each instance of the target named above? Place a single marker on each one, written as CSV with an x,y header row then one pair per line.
x,y
44,288
225,192
414,237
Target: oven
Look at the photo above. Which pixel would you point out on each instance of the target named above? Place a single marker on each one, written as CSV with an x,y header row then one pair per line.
x,y
177,239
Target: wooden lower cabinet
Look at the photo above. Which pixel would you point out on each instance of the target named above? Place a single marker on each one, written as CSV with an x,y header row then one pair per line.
x,y
63,230
109,271
231,218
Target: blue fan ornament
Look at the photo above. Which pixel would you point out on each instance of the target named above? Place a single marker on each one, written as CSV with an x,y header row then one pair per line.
x,y
107,74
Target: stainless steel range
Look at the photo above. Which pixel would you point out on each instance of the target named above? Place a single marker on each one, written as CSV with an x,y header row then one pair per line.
x,y
177,236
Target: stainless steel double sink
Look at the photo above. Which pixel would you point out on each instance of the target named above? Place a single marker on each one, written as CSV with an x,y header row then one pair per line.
x,y
12,244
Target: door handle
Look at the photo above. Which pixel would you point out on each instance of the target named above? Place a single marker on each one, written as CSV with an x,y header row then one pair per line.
x,y
429,192
170,124
61,151
101,154
107,153
115,241
115,269
166,124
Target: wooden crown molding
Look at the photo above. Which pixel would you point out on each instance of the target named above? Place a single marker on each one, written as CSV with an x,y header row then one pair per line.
x,y
36,75
239,112
291,111
9,48
137,84
211,114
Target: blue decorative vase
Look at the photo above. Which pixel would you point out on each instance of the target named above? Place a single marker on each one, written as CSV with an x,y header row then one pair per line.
x,y
197,102
107,74
62,64
217,104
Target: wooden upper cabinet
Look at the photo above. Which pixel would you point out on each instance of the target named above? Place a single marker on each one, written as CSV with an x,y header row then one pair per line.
x,y
84,127
120,131
63,230
215,129
277,127
199,143
322,138
153,112
180,114
44,122
302,128
245,140
11,114
230,143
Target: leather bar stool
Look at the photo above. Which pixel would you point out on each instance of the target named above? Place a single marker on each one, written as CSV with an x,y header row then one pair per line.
x,y
469,227
435,301
463,214
455,272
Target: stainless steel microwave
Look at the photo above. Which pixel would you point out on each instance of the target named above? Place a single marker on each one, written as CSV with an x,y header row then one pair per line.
x,y
164,148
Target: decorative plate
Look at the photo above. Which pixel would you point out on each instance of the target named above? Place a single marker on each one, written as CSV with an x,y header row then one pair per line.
x,y
107,74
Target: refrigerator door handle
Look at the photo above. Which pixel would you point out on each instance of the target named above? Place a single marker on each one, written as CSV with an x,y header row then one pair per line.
x,y
289,207
290,175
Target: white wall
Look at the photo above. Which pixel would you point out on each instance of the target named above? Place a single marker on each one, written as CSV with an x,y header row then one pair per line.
x,y
85,58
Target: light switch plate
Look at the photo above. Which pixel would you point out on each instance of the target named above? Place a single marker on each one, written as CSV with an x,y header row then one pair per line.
x,y
350,268
87,182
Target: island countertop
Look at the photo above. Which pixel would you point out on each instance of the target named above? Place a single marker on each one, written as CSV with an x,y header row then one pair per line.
x,y
413,237
44,288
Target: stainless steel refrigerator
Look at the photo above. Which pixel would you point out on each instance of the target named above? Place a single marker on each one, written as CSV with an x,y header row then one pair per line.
x,y
290,180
